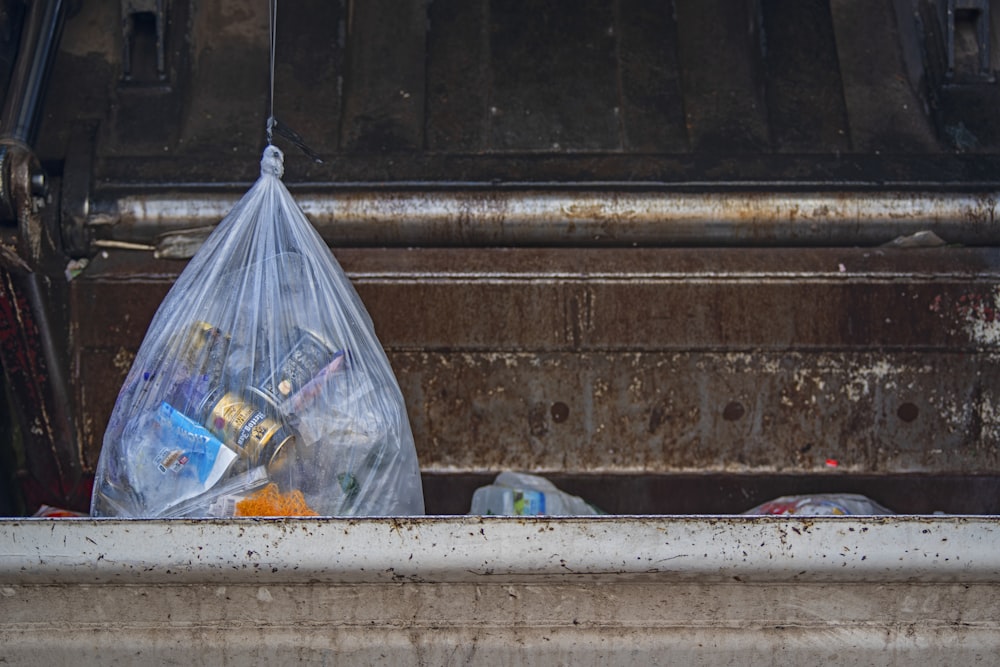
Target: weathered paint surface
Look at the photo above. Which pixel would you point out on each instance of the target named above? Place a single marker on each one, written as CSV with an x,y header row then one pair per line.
x,y
737,412
896,549
981,313
648,360
615,217
640,591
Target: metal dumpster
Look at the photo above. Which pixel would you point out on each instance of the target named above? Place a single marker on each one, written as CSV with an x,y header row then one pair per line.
x,y
679,256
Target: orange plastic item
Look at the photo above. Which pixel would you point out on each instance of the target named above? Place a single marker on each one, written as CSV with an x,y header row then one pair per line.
x,y
271,502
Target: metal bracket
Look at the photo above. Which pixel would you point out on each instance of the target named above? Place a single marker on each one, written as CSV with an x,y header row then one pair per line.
x,y
135,12
21,177
979,11
75,194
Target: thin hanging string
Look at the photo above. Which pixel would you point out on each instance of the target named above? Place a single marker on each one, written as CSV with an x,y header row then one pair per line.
x,y
272,22
272,122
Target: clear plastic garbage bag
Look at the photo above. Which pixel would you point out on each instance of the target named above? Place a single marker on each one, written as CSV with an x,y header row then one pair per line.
x,y
260,388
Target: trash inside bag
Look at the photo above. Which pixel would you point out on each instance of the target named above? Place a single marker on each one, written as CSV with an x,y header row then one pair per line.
x,y
821,504
260,388
520,494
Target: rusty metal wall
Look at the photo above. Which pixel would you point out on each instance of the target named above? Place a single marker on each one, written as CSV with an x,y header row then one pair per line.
x,y
649,379
648,361
510,186
557,91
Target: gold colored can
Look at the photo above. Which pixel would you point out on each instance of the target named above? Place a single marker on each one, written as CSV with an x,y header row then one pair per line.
x,y
258,436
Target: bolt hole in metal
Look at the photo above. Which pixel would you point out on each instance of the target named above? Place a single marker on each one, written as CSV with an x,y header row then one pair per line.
x,y
560,412
908,412
733,411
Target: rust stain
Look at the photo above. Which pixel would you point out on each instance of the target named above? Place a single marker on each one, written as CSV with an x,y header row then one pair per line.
x,y
578,316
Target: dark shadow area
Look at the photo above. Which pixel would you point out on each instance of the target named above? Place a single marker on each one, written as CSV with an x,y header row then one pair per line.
x,y
720,493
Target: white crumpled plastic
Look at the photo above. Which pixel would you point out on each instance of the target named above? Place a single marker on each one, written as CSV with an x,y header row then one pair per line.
x,y
820,504
260,388
521,494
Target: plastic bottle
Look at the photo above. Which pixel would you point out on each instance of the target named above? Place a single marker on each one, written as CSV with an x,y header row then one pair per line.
x,y
519,494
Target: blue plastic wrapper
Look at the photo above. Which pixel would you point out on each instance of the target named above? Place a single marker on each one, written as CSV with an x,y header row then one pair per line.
x,y
173,458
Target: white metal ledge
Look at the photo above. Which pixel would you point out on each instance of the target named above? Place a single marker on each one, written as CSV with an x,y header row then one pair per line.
x,y
465,590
